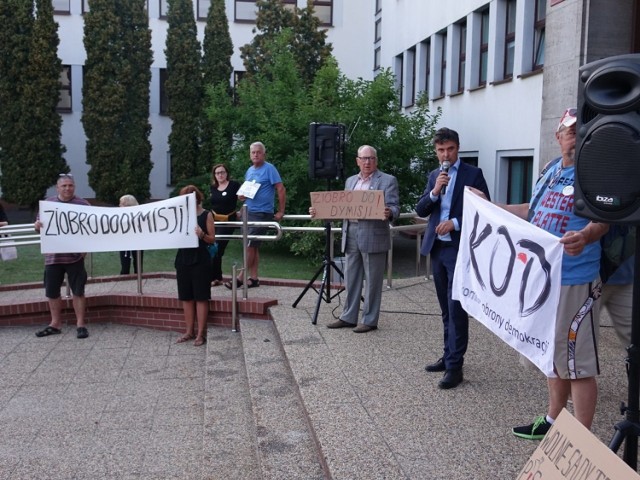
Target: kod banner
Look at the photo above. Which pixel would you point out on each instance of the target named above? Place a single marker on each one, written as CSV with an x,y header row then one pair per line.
x,y
69,228
508,276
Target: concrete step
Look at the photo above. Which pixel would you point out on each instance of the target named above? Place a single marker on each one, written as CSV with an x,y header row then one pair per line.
x,y
286,444
229,433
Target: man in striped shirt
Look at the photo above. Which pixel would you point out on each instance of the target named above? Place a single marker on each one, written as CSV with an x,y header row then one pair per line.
x,y
56,265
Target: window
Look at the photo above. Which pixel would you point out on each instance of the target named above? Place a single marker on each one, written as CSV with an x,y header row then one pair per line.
x,y
469,158
378,6
376,59
462,55
510,39
237,78
378,31
520,179
245,11
538,36
61,6
64,102
426,55
164,98
203,9
164,8
484,48
85,6
442,90
324,11
410,99
399,69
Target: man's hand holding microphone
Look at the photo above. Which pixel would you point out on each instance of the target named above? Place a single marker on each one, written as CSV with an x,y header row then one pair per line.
x,y
442,181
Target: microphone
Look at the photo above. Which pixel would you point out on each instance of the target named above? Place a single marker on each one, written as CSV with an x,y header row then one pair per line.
x,y
444,168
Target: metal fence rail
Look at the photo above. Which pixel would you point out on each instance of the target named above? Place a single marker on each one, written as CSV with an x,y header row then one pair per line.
x,y
24,234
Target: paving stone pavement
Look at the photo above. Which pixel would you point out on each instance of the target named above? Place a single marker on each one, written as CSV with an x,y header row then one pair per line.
x,y
280,400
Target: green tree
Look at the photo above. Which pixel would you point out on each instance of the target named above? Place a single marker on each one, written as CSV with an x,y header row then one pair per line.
x,y
308,43
276,106
30,149
116,98
184,89
216,72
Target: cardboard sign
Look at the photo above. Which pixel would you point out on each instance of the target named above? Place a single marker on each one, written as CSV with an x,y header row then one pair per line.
x,y
349,205
570,451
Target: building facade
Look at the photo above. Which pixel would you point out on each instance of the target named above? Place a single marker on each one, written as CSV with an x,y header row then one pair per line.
x,y
501,71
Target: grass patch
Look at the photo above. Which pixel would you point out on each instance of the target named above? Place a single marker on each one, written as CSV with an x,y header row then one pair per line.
x,y
275,262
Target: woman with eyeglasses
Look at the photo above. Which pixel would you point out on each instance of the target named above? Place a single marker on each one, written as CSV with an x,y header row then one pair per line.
x,y
224,201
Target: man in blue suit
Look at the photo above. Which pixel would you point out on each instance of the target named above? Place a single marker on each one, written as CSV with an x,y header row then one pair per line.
x,y
442,202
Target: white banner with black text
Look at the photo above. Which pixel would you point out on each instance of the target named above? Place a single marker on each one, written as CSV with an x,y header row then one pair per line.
x,y
507,277
69,228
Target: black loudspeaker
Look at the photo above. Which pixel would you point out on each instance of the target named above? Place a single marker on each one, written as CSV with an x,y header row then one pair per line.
x,y
326,150
607,180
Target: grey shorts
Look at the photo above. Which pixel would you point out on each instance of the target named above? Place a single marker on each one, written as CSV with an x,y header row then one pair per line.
x,y
258,217
577,332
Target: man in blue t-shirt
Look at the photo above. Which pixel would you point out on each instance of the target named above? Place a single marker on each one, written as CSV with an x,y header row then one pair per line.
x,y
575,358
261,207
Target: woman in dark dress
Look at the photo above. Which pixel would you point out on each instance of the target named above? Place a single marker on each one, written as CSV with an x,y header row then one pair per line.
x,y
193,273
224,201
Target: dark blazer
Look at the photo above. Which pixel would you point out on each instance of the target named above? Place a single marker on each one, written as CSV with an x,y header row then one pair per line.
x,y
373,235
468,175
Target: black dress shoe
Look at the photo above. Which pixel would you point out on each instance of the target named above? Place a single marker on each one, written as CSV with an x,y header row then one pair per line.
x,y
451,379
436,367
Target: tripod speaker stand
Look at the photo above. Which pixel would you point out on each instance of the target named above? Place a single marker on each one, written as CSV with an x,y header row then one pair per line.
x,y
324,293
628,430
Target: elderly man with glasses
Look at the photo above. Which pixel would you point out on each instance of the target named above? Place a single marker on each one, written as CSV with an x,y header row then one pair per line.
x,y
366,243
56,265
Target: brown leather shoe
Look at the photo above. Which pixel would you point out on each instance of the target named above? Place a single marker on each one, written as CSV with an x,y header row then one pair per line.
x,y
362,328
340,324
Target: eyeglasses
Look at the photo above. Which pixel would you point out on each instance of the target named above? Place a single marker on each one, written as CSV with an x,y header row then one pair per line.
x,y
220,172
368,159
65,175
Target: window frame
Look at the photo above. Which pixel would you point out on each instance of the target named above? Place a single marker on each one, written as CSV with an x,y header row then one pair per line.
x,y
525,183
376,59
324,3
59,11
462,55
199,15
65,88
163,14
483,60
244,20
539,31
427,65
163,105
377,31
509,40
443,65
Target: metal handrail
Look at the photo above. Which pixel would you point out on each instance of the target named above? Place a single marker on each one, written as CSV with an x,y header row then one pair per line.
x,y
24,234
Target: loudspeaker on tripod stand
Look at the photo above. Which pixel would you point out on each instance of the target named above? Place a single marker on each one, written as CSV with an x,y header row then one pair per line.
x,y
326,151
607,179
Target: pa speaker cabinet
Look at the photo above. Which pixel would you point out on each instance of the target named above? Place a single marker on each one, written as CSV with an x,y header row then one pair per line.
x,y
607,180
326,151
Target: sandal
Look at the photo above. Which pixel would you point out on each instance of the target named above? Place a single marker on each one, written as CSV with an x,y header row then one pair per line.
x,y
185,338
216,283
253,283
229,285
200,341
48,331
